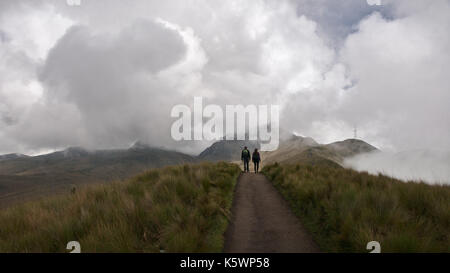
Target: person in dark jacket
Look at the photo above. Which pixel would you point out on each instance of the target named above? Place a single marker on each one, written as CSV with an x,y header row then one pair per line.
x,y
245,156
256,158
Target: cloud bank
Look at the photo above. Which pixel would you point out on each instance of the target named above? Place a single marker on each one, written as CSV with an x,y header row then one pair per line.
x,y
415,165
107,73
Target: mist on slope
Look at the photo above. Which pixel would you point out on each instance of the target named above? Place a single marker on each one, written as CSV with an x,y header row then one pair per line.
x,y
429,166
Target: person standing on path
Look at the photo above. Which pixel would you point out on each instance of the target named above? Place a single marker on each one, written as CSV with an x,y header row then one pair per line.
x,y
256,158
245,156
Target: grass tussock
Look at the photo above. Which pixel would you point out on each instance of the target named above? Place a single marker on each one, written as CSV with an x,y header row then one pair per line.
x,y
345,209
176,209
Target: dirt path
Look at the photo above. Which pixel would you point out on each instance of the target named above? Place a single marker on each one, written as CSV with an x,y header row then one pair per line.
x,y
262,220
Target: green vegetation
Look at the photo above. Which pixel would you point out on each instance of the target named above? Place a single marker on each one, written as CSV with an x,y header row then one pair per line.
x,y
176,209
345,209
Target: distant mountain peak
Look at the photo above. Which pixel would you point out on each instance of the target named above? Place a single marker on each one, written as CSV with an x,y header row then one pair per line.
x,y
138,145
309,141
351,147
227,149
12,156
355,143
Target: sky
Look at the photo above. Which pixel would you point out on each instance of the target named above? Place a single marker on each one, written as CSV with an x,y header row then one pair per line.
x,y
108,72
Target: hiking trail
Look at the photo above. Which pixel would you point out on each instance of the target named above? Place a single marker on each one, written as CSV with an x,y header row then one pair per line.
x,y
262,221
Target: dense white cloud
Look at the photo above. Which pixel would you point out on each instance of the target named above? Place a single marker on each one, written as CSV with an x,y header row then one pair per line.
x,y
394,86
108,72
27,34
400,69
415,165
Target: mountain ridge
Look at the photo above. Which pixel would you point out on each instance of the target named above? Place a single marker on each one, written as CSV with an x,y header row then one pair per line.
x,y
58,171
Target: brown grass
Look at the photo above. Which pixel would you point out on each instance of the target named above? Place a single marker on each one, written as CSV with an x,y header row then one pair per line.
x,y
345,209
176,209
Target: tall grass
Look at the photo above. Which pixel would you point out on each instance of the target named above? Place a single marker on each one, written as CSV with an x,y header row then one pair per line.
x,y
345,209
176,209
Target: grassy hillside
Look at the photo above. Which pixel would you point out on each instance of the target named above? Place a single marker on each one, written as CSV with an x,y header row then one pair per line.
x,y
27,178
179,209
345,209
